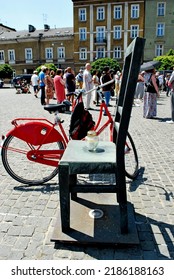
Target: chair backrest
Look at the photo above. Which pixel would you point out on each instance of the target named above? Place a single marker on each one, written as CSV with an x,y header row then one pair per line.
x,y
133,59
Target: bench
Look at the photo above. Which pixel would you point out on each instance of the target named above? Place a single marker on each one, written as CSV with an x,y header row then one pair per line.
x,y
79,201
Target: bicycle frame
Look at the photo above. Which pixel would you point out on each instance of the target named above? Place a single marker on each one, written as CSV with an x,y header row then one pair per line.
x,y
37,132
98,129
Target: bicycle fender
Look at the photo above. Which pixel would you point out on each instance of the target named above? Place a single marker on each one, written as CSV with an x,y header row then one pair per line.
x,y
36,133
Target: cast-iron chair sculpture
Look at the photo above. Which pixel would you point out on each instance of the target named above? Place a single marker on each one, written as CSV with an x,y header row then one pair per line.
x,y
78,160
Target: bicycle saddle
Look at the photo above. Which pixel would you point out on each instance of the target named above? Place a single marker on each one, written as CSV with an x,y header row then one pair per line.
x,y
55,107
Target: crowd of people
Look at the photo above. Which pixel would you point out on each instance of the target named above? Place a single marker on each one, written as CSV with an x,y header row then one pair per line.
x,y
149,85
61,84
57,86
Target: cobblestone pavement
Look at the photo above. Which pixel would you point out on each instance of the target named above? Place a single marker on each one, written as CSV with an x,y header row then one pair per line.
x,y
28,214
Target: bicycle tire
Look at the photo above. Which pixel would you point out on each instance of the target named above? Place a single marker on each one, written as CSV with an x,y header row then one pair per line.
x,y
20,168
131,159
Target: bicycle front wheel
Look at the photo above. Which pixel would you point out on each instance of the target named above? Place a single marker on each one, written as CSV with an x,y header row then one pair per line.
x,y
131,159
19,167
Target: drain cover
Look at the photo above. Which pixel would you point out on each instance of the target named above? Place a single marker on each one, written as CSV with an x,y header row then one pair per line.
x,y
96,213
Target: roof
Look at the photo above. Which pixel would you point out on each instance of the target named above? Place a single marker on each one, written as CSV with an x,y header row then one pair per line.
x,y
2,27
55,32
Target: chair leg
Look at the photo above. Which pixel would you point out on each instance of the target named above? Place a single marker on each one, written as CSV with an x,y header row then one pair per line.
x,y
123,218
64,196
122,200
73,182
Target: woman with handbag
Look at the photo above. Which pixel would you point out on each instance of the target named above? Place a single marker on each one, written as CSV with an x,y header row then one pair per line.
x,y
150,95
49,86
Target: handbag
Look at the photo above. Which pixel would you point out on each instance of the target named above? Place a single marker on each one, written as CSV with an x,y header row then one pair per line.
x,y
149,87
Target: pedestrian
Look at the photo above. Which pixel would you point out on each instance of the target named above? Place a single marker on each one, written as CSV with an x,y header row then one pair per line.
x,y
35,83
49,86
59,85
150,95
87,85
42,84
79,79
106,89
117,83
52,74
139,92
161,80
167,78
70,83
96,83
171,85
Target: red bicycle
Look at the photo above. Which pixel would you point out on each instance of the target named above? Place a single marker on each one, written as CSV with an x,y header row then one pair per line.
x,y
31,151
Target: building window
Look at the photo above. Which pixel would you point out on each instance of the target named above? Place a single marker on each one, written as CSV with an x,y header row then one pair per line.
x,y
49,53
158,50
161,9
82,34
134,32
2,57
82,14
11,56
28,54
135,11
117,52
117,12
160,29
61,52
100,52
117,32
100,34
83,54
100,13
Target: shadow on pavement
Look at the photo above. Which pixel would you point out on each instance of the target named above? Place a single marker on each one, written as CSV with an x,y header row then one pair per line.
x,y
46,188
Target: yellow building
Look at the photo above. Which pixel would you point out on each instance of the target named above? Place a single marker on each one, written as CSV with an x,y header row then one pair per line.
x,y
26,50
104,28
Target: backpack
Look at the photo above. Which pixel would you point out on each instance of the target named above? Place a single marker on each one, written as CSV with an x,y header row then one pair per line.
x,y
81,122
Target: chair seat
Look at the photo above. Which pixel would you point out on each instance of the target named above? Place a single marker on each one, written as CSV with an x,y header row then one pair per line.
x,y
83,161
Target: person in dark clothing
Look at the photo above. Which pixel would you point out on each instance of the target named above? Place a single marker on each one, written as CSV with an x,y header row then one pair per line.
x,y
106,89
70,83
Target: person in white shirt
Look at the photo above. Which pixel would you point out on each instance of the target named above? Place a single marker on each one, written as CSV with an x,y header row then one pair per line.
x,y
117,82
87,85
35,83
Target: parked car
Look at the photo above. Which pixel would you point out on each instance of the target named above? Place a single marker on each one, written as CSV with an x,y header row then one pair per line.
x,y
1,83
20,78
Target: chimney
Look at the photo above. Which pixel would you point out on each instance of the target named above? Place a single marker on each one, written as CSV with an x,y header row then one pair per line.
x,y
31,28
46,27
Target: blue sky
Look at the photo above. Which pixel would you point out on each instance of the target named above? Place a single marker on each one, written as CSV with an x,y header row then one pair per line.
x,y
19,14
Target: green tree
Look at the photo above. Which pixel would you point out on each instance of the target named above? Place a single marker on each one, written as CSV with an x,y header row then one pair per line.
x,y
167,60
6,71
50,66
100,63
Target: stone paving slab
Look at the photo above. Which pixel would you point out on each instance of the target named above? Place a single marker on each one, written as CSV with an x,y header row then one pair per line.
x,y
28,214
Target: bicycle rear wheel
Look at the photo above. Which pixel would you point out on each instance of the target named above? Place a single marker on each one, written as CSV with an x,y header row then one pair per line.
x,y
131,159
19,167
